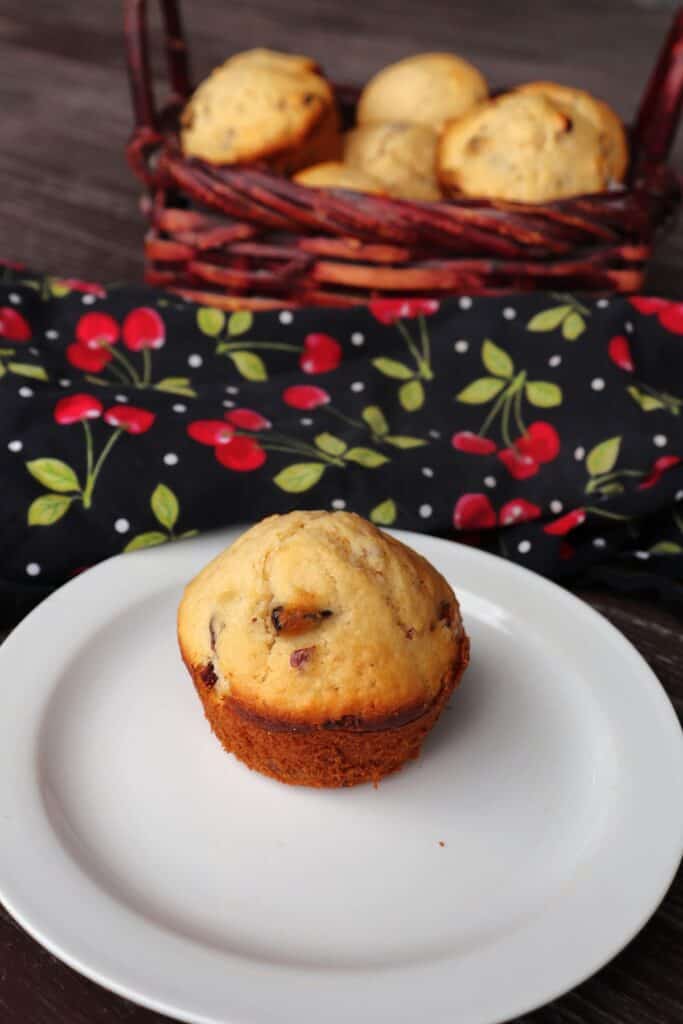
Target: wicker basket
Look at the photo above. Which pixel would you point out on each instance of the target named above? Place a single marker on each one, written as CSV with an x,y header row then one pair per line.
x,y
245,237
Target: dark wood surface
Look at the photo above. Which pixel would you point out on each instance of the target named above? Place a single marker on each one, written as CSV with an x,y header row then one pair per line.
x,y
69,205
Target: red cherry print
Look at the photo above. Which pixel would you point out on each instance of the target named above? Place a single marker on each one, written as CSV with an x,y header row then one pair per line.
x,y
242,454
541,442
305,396
473,512
211,432
519,510
321,354
91,360
660,465
518,465
76,408
247,419
672,317
565,523
13,326
143,328
473,444
129,418
619,352
97,329
646,304
388,311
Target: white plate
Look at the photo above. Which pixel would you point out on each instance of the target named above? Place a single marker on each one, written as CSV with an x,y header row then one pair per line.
x,y
141,854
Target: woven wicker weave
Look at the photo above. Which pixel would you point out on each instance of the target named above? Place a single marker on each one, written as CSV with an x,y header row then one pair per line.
x,y
245,237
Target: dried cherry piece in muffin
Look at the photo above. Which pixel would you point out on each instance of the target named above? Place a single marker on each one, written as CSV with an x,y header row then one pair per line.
x,y
293,621
208,675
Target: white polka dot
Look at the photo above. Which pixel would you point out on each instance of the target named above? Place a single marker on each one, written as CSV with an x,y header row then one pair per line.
x,y
524,547
179,407
602,303
490,481
599,542
194,360
26,392
554,360
286,317
15,446
339,503
465,302
52,335
425,511
509,313
598,384
358,386
34,351
642,555
660,440
64,382
88,300
122,526
357,338
556,507
461,346
427,471
678,496
435,434
121,398
232,390
14,298
306,421
228,403
628,327
33,569
579,453
170,459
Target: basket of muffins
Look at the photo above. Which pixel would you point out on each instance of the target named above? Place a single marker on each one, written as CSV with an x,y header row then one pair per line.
x,y
269,185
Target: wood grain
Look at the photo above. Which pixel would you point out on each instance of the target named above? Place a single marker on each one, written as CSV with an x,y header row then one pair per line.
x,y
69,204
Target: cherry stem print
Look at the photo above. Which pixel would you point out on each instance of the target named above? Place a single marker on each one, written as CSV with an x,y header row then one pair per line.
x,y
411,392
166,510
62,480
507,389
569,315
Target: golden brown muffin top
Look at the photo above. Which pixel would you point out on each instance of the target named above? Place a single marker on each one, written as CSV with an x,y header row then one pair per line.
x,y
426,88
313,616
335,174
401,156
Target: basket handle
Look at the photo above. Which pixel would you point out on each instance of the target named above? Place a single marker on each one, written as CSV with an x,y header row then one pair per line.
x,y
137,50
660,107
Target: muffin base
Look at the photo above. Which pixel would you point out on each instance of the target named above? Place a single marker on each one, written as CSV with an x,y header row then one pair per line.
x,y
328,755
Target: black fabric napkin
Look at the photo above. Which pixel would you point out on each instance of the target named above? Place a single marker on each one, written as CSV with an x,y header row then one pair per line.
x,y
545,428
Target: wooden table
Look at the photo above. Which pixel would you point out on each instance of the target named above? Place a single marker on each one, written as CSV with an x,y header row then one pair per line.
x,y
68,204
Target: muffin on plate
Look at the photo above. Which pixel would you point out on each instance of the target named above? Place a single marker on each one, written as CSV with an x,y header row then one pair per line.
x,y
402,157
427,88
322,649
521,147
334,174
261,105
601,116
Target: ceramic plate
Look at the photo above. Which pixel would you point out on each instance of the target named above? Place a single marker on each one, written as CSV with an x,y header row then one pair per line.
x,y
534,837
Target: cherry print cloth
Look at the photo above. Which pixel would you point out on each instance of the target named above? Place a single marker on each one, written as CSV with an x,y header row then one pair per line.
x,y
545,428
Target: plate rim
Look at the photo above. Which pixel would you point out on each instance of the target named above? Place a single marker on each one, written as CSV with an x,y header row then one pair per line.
x,y
56,603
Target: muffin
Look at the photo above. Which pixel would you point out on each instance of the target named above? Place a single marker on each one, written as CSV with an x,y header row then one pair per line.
x,y
521,147
427,88
322,649
334,174
262,105
402,157
601,116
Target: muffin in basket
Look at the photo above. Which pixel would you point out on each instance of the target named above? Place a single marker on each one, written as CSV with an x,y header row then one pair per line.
x,y
521,146
263,105
334,174
322,649
426,88
402,157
